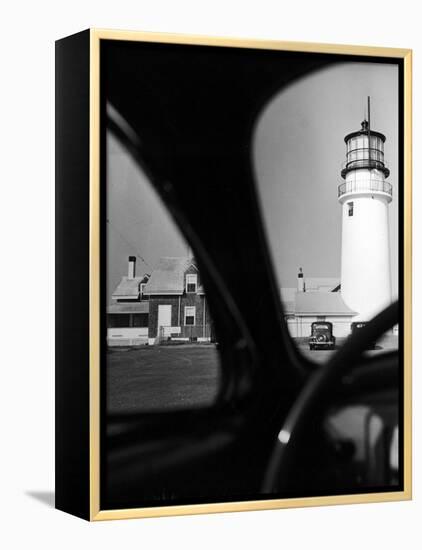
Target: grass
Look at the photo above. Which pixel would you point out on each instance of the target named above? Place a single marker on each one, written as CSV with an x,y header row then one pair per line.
x,y
161,378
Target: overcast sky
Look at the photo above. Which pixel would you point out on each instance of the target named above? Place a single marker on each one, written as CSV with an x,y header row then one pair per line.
x,y
298,150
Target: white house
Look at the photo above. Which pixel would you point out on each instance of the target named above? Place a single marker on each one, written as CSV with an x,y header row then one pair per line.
x,y
316,299
127,315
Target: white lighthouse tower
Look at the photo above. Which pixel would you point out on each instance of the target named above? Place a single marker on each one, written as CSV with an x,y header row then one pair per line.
x,y
364,197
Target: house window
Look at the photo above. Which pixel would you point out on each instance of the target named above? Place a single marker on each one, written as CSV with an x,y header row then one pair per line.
x,y
140,319
120,320
190,312
350,206
191,282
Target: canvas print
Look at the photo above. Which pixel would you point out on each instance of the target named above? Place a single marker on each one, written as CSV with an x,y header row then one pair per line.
x,y
252,274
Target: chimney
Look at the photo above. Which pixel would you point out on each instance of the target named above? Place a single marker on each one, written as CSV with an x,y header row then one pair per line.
x,y
300,281
131,267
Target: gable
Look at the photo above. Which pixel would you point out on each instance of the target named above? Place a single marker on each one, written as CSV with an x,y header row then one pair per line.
x,y
168,276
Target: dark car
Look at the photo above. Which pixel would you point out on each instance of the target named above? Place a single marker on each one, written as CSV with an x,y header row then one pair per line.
x,y
359,325
322,336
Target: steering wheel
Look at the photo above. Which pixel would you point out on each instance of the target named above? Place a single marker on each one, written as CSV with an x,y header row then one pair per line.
x,y
319,386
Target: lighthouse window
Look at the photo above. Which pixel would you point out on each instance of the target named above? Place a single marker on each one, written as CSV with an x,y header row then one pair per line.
x,y
350,206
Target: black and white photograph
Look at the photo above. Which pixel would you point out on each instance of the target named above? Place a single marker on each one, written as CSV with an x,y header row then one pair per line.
x,y
252,274
210,266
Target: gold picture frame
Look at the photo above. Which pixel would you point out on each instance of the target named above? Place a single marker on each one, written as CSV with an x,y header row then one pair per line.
x,y
95,513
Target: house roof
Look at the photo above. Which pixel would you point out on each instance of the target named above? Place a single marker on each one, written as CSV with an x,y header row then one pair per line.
x,y
168,276
126,307
321,303
322,284
127,288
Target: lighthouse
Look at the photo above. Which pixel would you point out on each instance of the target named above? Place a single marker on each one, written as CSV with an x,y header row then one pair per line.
x,y
364,197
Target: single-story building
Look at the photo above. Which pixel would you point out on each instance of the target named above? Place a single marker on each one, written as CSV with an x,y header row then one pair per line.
x,y
316,299
128,324
319,306
127,315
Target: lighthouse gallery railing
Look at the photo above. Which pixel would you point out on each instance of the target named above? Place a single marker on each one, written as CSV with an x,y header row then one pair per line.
x,y
365,186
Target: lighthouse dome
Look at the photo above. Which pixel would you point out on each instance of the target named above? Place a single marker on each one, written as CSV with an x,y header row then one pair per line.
x,y
364,149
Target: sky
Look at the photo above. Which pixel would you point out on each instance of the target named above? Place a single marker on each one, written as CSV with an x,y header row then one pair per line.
x,y
298,150
298,154
137,222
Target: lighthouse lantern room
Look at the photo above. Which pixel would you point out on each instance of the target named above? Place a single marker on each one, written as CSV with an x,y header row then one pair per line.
x,y
364,196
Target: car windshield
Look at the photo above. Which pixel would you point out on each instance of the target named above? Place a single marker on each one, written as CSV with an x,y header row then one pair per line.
x,y
334,248
321,328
